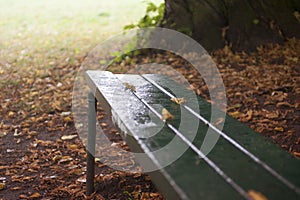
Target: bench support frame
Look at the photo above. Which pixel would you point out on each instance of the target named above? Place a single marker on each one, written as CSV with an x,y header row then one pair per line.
x,y
91,143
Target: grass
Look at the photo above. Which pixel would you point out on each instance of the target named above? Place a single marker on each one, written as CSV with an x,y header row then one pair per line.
x,y
37,34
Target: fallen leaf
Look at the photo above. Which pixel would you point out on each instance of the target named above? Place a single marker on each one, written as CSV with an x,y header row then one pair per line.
x,y
65,159
166,114
2,134
235,114
23,196
155,194
130,87
73,146
249,115
16,188
280,129
68,137
35,195
65,113
32,133
284,104
103,124
2,186
296,153
81,180
10,150
178,100
67,119
272,115
56,157
76,172
16,134
254,195
11,114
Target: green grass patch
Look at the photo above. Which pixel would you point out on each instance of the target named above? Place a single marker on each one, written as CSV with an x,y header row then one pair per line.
x,y
40,34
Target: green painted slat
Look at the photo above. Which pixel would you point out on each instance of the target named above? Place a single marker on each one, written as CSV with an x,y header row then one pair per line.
x,y
259,179
189,175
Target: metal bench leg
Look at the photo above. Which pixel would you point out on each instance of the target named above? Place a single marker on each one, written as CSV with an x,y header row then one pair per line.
x,y
91,144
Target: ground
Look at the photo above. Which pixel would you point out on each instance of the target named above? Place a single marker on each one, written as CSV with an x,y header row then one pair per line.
x,y
41,154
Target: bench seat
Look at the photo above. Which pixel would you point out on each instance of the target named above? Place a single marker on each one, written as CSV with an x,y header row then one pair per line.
x,y
231,174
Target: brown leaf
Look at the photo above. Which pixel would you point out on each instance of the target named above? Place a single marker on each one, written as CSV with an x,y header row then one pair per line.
x,y
284,104
254,195
23,196
73,146
280,129
65,159
166,115
34,195
76,172
130,87
235,114
296,154
178,100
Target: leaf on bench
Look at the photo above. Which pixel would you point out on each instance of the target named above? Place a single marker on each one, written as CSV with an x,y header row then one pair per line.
x,y
255,195
166,114
178,100
130,87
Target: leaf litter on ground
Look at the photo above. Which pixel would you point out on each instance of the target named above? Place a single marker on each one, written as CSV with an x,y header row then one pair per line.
x,y
40,146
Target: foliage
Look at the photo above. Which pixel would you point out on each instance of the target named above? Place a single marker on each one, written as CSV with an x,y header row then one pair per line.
x,y
39,60
153,17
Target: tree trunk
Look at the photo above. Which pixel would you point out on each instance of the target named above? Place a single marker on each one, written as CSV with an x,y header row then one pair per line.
x,y
244,24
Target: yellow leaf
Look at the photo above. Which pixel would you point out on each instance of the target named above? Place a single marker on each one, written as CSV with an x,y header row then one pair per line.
x,y
68,119
178,100
11,114
73,146
254,195
2,185
166,114
235,114
2,134
249,115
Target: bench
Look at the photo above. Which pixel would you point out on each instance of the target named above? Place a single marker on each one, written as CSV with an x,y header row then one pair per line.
x,y
242,164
